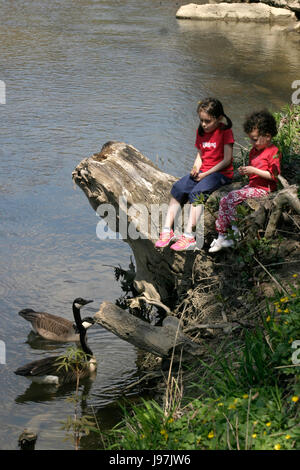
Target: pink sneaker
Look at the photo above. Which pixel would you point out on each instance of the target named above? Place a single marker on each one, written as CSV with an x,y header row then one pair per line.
x,y
164,239
184,243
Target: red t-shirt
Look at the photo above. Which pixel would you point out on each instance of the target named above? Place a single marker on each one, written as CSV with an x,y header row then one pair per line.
x,y
267,159
211,146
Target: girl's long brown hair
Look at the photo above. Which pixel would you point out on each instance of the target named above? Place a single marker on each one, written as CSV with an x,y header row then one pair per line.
x,y
214,108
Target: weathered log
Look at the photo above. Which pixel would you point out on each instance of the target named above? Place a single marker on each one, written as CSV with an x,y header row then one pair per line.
x,y
287,196
131,194
122,181
268,210
159,340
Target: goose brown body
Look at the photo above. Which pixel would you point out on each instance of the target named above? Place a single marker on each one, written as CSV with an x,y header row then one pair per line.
x,y
49,370
53,327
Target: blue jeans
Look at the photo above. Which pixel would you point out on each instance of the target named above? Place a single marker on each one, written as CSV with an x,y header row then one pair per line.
x,y
187,189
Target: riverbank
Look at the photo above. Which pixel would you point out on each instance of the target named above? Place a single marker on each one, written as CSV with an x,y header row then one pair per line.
x,y
243,392
248,393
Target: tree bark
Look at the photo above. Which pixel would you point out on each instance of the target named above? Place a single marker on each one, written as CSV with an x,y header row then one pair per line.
x,y
121,180
159,340
131,196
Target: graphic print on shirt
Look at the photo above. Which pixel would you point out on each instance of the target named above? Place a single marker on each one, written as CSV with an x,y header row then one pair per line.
x,y
211,146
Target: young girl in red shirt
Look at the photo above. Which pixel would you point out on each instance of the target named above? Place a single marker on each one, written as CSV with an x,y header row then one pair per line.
x,y
212,169
263,168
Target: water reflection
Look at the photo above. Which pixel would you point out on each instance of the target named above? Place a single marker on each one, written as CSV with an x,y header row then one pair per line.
x,y
35,341
44,393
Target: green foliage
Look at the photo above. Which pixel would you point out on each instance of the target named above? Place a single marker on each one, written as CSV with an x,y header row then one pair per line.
x,y
212,205
282,325
241,159
76,427
251,248
199,199
247,420
249,399
287,139
73,359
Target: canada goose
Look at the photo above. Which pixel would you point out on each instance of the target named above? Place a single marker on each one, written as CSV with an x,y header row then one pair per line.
x,y
53,327
48,370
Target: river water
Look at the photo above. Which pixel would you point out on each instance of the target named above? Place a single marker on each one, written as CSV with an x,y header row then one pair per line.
x,y
77,74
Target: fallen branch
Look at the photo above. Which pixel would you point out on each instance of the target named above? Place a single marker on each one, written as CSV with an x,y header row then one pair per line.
x,y
272,277
148,376
158,340
217,326
289,196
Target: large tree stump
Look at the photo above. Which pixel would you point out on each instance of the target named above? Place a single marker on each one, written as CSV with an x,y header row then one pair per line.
x,y
131,195
122,181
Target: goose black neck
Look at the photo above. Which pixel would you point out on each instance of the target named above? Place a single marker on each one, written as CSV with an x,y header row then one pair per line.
x,y
77,317
84,345
82,330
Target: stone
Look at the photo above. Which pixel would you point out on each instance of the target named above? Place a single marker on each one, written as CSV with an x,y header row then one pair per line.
x,y
293,5
256,12
295,28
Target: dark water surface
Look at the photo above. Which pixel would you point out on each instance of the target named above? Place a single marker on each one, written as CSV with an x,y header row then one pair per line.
x,y
80,73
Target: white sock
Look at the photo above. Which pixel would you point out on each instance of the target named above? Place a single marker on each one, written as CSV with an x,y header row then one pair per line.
x,y
221,236
166,230
188,235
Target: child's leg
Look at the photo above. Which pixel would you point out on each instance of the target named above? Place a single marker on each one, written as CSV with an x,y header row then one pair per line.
x,y
206,186
179,193
182,188
228,203
195,212
174,205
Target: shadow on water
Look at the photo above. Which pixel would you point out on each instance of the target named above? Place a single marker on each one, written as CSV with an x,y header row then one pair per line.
x,y
45,393
35,341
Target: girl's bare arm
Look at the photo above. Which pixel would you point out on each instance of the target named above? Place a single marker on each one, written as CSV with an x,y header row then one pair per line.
x,y
252,170
197,164
228,151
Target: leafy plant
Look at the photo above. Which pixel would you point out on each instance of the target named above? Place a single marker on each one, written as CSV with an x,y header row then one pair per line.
x,y
76,427
287,139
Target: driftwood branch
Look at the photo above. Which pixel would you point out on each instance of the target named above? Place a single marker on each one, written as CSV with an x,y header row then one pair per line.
x,y
212,326
158,340
287,196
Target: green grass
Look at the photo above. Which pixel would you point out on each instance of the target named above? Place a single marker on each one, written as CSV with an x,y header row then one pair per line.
x,y
287,139
247,400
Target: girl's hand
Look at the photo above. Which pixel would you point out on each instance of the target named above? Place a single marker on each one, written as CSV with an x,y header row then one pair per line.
x,y
247,170
199,177
194,171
